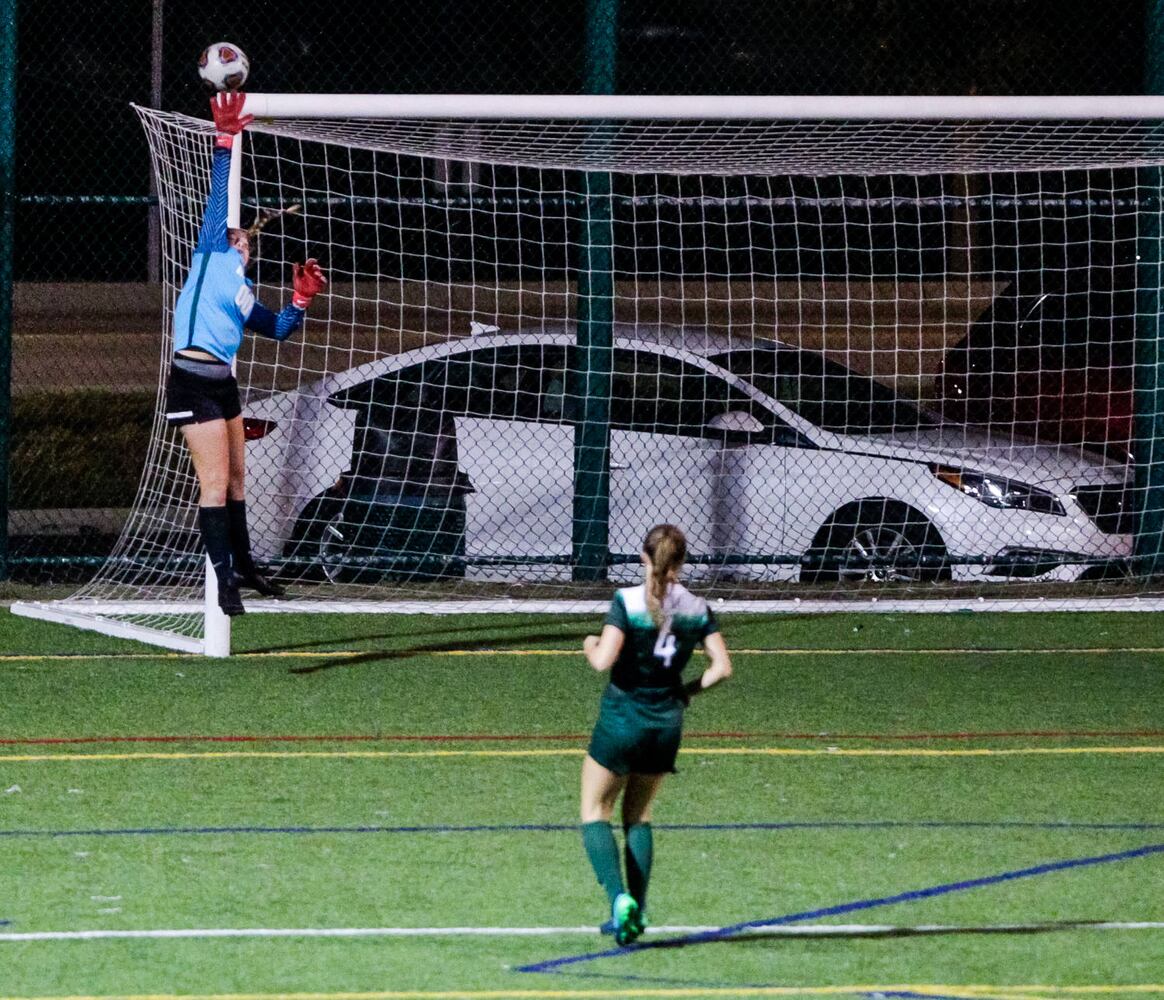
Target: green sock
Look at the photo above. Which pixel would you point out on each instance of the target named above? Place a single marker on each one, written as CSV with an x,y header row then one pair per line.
x,y
640,849
598,839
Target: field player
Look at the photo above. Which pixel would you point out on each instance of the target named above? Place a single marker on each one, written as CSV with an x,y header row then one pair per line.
x,y
649,635
202,397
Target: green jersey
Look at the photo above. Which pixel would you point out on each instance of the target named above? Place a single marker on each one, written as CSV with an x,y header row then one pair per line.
x,y
652,656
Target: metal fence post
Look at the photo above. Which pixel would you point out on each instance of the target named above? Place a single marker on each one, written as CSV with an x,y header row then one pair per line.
x,y
7,218
595,273
1148,433
154,225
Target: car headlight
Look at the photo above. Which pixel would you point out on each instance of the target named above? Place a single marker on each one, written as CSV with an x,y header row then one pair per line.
x,y
997,491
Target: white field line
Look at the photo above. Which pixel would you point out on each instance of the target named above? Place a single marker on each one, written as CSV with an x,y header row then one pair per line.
x,y
503,605
795,930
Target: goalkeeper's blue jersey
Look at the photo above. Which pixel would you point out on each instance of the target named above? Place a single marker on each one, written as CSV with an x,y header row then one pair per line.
x,y
218,299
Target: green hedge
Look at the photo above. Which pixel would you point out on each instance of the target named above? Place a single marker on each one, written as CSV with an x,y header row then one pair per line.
x,y
78,449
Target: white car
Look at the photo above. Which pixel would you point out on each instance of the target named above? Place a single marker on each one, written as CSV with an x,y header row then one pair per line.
x,y
458,458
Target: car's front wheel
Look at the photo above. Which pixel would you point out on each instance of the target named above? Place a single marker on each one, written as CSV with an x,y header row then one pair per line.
x,y
876,540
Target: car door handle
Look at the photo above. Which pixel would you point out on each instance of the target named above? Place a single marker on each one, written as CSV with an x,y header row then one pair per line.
x,y
618,467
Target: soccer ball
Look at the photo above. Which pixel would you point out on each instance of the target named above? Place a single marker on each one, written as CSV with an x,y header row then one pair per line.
x,y
223,66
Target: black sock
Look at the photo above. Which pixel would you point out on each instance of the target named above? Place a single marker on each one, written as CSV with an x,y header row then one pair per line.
x,y
240,537
216,539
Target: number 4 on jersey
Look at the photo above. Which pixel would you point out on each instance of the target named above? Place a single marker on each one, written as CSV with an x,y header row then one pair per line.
x,y
665,647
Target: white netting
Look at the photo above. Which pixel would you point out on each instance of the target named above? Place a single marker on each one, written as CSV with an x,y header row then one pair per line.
x,y
771,148
852,360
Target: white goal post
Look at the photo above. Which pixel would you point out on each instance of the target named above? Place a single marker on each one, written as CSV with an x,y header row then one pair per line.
x,y
556,319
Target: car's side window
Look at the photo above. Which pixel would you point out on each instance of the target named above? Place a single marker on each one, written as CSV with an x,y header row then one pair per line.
x,y
404,430
553,404
658,394
518,382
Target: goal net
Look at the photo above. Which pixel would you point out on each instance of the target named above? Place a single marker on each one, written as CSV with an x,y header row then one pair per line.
x,y
866,353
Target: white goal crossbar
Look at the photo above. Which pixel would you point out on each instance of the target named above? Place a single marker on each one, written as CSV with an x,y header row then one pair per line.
x,y
632,107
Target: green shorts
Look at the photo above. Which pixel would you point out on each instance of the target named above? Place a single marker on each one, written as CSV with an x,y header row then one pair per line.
x,y
639,733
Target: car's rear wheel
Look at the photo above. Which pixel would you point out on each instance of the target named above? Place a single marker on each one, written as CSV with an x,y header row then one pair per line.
x,y
347,554
876,540
302,549
347,540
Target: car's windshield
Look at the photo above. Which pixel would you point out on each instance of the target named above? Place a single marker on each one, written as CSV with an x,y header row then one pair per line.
x,y
827,394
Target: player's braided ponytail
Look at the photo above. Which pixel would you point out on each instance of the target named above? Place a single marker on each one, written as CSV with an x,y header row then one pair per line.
x,y
262,220
666,546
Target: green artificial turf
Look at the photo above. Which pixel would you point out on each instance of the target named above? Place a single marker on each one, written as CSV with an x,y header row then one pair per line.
x,y
428,777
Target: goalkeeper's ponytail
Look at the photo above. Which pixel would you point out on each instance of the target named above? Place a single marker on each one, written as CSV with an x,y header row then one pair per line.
x,y
666,547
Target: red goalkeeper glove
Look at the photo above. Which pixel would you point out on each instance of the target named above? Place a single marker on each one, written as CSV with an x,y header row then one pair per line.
x,y
226,107
307,280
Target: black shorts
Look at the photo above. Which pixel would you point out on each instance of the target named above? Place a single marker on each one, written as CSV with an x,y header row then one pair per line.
x,y
193,399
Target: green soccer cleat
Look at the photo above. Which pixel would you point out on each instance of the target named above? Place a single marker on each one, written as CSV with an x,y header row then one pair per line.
x,y
641,923
608,927
627,920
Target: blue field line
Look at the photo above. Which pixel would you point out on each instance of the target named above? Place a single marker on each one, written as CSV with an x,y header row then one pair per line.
x,y
158,831
911,995
161,831
860,904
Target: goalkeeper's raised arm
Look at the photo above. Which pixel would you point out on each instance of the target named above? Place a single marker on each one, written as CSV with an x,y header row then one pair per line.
x,y
216,303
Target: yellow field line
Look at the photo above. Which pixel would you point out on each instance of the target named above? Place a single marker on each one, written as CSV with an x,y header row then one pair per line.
x,y
1032,991
976,990
299,654
570,752
1089,990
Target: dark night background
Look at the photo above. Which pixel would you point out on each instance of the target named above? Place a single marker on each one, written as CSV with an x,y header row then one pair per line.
x,y
83,162
81,65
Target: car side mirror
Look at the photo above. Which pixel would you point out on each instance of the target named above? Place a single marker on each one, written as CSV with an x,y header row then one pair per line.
x,y
735,422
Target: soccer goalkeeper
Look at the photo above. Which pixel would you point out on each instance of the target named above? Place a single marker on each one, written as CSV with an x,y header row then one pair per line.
x,y
215,304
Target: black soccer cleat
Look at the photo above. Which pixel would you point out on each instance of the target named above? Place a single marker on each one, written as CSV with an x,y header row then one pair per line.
x,y
254,580
229,601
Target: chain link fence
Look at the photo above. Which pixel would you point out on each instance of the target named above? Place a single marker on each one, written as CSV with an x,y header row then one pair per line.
x,y
87,303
